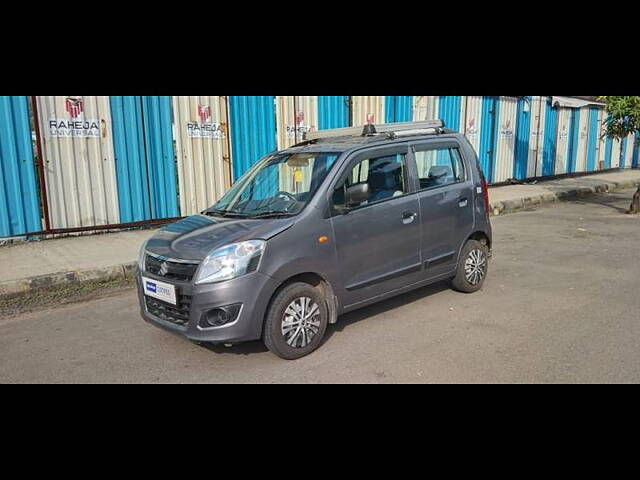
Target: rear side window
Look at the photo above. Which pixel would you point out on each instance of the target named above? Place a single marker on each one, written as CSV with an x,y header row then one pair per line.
x,y
439,166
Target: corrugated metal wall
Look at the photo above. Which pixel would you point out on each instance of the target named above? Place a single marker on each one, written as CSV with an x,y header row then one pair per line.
x,y
145,157
253,130
295,116
550,138
636,151
398,109
473,121
449,110
488,136
505,145
19,198
523,137
202,149
333,112
562,140
425,108
583,139
592,141
79,163
363,106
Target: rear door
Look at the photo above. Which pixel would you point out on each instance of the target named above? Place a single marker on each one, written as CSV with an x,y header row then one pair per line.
x,y
377,242
446,203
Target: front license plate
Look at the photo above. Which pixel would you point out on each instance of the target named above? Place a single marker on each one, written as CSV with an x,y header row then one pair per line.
x,y
160,290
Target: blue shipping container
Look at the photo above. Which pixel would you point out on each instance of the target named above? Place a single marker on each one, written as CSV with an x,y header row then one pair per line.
x,y
592,144
19,200
550,139
488,135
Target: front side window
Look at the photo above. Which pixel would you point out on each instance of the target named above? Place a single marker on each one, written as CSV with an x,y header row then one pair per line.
x,y
438,166
380,178
280,185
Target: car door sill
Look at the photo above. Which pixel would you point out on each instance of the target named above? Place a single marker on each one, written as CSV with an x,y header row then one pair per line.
x,y
387,276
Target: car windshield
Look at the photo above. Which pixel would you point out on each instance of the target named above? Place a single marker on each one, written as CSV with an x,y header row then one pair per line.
x,y
279,185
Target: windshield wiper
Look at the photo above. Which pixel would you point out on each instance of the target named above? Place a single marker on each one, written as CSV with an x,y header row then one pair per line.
x,y
272,213
227,213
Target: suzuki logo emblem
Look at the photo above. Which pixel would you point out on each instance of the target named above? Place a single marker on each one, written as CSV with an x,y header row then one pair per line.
x,y
164,269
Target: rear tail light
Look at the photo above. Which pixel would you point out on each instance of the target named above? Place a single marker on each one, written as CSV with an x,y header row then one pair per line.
x,y
485,194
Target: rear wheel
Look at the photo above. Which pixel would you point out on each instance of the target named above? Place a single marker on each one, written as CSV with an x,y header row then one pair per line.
x,y
472,267
296,321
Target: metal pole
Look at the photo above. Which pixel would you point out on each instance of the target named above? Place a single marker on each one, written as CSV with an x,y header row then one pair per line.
x,y
40,165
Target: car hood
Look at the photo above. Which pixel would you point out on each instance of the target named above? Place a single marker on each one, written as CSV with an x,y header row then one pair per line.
x,y
193,238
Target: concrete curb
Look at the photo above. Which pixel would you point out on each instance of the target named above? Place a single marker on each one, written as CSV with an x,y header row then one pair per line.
x,y
25,286
509,206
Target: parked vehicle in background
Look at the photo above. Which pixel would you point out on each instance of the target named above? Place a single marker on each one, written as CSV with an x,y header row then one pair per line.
x,y
342,220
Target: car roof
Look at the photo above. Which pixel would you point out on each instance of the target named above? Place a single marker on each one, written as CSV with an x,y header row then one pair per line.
x,y
352,142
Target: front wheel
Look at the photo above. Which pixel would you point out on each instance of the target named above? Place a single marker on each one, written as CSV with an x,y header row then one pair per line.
x,y
472,267
296,321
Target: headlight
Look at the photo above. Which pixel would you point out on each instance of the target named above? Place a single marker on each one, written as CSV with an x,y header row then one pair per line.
x,y
141,256
230,261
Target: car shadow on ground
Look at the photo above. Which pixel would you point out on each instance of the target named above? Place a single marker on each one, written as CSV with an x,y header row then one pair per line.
x,y
607,200
344,321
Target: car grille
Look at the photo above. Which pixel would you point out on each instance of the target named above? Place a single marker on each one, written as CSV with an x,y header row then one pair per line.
x,y
177,314
181,272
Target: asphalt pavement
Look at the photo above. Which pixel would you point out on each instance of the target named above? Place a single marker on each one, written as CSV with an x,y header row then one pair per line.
x,y
561,304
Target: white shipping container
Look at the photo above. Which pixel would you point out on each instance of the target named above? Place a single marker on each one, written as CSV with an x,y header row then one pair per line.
x,y
202,148
79,162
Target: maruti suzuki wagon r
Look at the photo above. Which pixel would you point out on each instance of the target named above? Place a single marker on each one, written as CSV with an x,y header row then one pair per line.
x,y
344,219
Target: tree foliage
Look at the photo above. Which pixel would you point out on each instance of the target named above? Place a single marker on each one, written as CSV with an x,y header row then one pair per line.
x,y
624,116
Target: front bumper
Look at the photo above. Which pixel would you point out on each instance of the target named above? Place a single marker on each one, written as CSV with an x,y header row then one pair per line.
x,y
253,291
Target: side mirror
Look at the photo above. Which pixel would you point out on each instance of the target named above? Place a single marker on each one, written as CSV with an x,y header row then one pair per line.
x,y
356,194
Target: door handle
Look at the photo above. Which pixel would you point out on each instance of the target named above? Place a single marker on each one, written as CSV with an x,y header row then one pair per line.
x,y
408,217
463,202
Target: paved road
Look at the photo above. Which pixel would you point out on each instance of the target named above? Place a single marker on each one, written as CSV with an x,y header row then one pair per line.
x,y
561,304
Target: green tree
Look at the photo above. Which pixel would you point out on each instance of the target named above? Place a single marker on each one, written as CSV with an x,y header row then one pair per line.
x,y
623,118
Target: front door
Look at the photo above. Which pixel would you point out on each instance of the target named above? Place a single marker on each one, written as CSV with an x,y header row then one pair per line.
x,y
446,203
378,240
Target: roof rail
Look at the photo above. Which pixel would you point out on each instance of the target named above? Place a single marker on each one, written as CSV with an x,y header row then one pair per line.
x,y
401,128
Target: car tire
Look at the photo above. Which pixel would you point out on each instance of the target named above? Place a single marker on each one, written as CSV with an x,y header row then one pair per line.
x,y
296,321
473,267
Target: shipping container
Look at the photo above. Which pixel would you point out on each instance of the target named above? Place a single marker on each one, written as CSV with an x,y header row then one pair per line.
x,y
202,150
582,140
562,140
79,163
252,130
367,107
145,157
635,161
333,111
19,198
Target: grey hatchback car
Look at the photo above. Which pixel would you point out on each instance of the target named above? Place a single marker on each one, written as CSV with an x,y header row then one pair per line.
x,y
344,219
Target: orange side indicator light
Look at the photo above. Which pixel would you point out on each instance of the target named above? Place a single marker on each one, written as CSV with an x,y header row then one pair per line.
x,y
323,239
